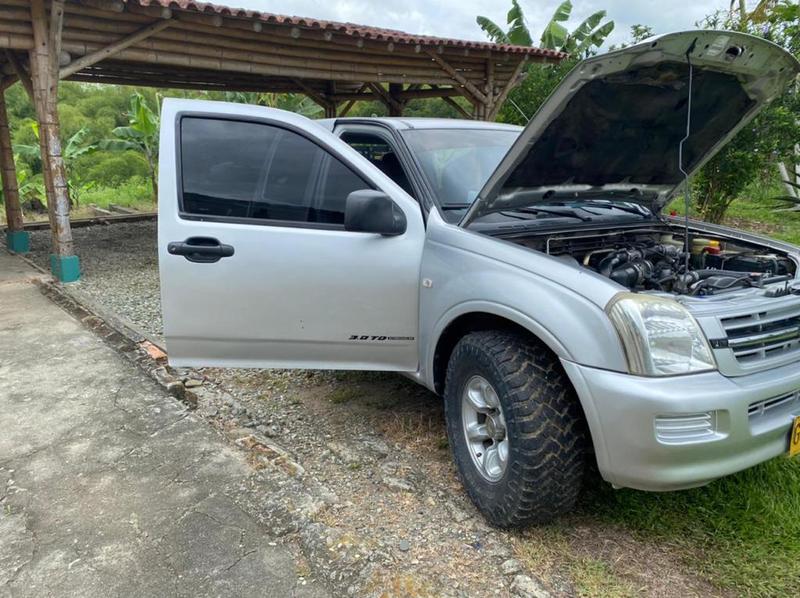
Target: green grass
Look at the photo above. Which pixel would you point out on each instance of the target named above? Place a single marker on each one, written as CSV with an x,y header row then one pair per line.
x,y
550,551
596,579
134,193
741,533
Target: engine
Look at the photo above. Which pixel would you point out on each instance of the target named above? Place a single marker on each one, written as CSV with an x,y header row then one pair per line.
x,y
658,261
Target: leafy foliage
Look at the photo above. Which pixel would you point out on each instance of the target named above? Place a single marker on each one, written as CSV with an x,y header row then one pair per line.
x,y
75,147
518,30
140,135
526,98
555,34
517,34
772,135
590,34
493,30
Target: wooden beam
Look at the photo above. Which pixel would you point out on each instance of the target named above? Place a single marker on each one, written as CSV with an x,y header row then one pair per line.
x,y
8,81
21,72
113,48
9,172
318,97
451,102
498,101
458,77
109,5
384,97
352,102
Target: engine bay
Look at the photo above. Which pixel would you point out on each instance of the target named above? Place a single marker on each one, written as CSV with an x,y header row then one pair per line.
x,y
657,260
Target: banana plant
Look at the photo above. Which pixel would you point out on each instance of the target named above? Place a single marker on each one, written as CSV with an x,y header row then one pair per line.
x,y
555,35
74,148
141,135
518,33
591,33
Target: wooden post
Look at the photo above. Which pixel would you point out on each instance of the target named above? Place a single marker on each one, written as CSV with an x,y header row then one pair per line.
x,y
481,112
394,107
44,75
331,109
397,107
17,239
497,102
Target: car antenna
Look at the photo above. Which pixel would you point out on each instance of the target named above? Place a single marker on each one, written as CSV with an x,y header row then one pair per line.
x,y
687,197
525,116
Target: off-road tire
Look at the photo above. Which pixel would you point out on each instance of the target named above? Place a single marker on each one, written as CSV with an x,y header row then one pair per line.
x,y
544,425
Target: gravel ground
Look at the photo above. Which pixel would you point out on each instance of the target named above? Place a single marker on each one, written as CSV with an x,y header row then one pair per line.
x,y
119,269
376,444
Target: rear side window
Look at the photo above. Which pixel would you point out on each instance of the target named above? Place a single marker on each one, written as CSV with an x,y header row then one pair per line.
x,y
236,169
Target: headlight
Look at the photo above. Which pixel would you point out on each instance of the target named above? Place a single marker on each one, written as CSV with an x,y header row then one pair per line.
x,y
660,336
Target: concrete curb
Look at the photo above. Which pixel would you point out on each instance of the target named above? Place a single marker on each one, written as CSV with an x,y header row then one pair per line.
x,y
122,336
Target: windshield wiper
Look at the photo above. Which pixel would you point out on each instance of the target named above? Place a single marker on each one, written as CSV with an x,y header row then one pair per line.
x,y
566,213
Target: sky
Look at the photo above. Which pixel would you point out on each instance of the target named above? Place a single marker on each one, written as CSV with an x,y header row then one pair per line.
x,y
456,18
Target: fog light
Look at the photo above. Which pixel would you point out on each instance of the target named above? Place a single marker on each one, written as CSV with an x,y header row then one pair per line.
x,y
686,428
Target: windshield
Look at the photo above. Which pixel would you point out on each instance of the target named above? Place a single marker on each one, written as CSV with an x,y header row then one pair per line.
x,y
458,162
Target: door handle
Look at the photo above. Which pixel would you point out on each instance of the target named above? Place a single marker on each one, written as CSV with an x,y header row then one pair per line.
x,y
201,250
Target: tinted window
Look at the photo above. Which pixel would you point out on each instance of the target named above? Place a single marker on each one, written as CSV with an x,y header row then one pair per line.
x,y
378,151
250,170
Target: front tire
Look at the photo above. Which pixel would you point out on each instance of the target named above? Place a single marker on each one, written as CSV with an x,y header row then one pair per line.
x,y
515,427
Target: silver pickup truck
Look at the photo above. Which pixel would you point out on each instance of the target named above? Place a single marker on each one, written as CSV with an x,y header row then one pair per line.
x,y
528,276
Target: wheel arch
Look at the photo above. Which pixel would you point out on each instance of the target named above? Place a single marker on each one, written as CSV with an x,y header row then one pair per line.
x,y
472,318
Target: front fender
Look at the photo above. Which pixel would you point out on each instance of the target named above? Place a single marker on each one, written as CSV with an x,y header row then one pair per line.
x,y
461,280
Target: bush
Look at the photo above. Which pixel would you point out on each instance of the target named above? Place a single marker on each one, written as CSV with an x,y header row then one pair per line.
x,y
524,101
111,169
135,192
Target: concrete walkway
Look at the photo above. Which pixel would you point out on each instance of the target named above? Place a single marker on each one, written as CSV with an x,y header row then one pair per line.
x,y
109,487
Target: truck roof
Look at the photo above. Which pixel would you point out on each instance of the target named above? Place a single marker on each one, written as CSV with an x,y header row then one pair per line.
x,y
402,122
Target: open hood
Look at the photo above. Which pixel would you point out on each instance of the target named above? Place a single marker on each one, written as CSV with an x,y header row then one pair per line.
x,y
614,125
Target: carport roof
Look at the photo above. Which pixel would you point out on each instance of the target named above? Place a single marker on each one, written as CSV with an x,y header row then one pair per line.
x,y
351,29
197,45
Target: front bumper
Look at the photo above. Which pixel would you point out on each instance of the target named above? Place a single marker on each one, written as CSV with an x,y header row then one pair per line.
x,y
622,410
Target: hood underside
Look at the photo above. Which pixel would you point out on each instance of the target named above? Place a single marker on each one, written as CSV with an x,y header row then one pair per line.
x,y
616,122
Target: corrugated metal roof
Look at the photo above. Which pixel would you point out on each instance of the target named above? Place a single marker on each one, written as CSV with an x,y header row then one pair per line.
x,y
350,29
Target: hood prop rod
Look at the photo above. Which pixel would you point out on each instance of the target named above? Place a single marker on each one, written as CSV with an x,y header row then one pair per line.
x,y
687,197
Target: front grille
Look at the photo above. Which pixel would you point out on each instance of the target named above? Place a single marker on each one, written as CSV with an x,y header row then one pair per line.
x,y
764,335
782,404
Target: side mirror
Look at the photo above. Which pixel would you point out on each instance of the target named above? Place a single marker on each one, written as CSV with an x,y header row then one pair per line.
x,y
369,211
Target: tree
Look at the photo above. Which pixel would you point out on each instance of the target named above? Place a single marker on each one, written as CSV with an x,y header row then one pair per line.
x,y
770,138
581,41
140,135
780,20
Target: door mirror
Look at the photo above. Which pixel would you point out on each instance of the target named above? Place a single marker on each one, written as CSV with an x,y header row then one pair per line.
x,y
369,211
